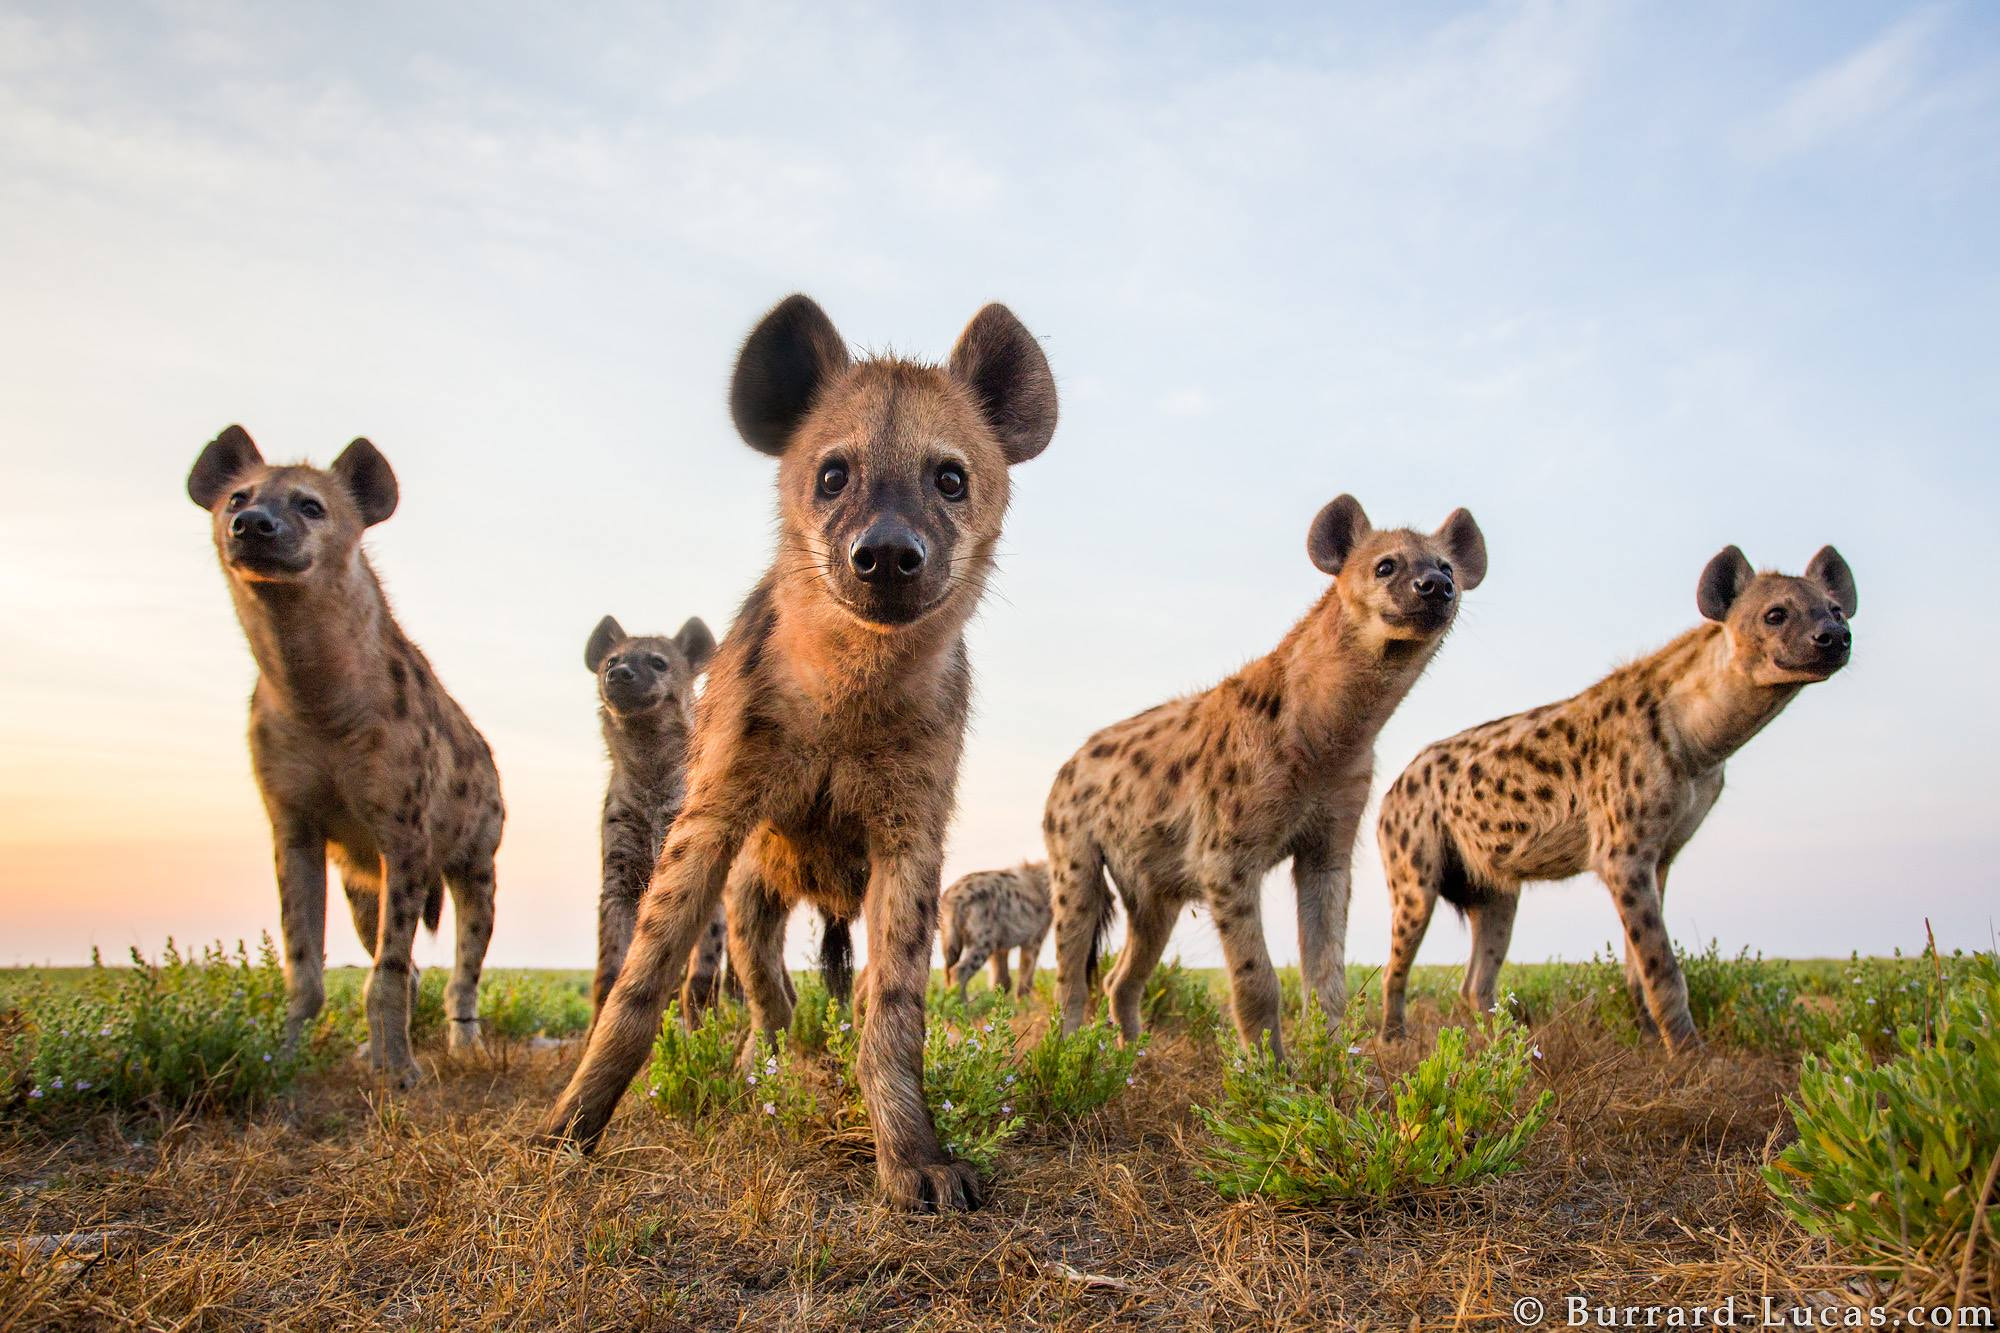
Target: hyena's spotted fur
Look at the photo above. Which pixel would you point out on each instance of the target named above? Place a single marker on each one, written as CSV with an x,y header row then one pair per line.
x,y
356,747
1614,780
1198,798
826,746
645,695
989,912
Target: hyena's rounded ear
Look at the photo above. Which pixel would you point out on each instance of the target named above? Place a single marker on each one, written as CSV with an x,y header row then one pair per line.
x,y
1336,530
1722,582
696,642
365,473
1466,547
221,461
785,362
1000,361
1829,571
602,640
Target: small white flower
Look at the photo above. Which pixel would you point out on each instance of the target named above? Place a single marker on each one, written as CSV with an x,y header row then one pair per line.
x,y
1128,1080
1006,1108
1010,1080
770,1108
104,1031
652,1092
1139,1054
751,1079
1354,1050
1848,1079
846,1026
985,1027
83,1085
947,1103
267,1057
1536,1051
56,1083
35,1094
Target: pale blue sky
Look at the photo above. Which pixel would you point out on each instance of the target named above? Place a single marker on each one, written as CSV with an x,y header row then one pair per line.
x,y
1631,282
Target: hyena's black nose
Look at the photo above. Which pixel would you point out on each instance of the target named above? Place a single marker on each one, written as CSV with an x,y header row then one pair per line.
x,y
253,523
887,553
1831,635
1434,586
620,673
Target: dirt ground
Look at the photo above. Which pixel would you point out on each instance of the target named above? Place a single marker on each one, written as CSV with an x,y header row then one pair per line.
x,y
344,1206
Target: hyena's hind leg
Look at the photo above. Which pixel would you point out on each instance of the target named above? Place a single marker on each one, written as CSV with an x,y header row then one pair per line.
x,y
472,903
1413,870
1149,923
705,984
756,918
1031,957
301,857
361,879
975,948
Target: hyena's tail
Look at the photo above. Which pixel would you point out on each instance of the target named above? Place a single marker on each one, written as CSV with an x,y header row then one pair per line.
x,y
434,906
1083,901
836,959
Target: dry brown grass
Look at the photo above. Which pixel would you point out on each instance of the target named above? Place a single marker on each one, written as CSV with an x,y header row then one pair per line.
x,y
345,1207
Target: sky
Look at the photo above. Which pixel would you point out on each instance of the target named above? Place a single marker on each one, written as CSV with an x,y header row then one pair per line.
x,y
1630,282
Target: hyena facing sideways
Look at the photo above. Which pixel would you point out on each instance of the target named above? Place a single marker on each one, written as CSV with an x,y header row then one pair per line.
x,y
1613,780
826,745
645,691
1200,797
356,747
989,912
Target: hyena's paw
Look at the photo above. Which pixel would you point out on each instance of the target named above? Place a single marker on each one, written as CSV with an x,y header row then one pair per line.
x,y
932,1187
398,1071
465,1038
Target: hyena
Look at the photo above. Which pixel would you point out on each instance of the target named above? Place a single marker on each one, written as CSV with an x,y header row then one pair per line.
x,y
645,691
826,745
356,747
989,912
1614,780
1200,797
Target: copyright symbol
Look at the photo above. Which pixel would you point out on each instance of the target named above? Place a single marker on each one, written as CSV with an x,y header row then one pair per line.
x,y
1528,1312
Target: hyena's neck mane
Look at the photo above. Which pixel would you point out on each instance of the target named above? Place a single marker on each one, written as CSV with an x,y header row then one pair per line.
x,y
848,666
1710,708
648,749
1328,687
327,650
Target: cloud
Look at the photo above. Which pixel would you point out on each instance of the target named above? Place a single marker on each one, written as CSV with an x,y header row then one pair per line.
x,y
1862,90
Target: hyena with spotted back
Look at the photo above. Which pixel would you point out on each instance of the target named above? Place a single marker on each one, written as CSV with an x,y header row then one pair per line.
x,y
988,912
1197,799
826,745
1614,780
645,693
356,747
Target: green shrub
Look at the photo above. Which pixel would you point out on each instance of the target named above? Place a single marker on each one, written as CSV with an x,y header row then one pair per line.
x,y
1066,1078
1745,1001
1876,998
1178,998
519,1005
693,1073
969,1082
1593,990
1891,1158
778,1088
1320,1131
814,1014
198,1032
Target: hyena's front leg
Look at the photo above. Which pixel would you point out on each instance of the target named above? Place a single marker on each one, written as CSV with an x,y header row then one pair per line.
x,y
677,904
390,986
1322,874
301,857
1253,983
628,862
1635,888
914,1169
756,925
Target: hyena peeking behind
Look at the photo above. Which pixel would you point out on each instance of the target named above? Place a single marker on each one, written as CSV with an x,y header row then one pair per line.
x,y
356,747
1613,780
645,691
826,746
1197,799
989,912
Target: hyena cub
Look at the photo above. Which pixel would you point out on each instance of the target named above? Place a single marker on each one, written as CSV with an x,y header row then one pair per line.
x,y
356,747
645,691
1614,780
989,912
1200,797
826,746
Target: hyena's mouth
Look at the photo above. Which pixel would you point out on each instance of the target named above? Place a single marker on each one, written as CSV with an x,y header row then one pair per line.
x,y
260,561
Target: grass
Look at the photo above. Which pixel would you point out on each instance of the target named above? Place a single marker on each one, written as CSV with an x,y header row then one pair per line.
x,y
337,1204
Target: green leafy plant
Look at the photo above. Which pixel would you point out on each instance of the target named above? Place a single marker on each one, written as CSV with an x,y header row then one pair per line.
x,y
693,1072
1895,1160
1179,998
969,1083
1066,1078
1456,1118
519,1005
814,1015
199,1031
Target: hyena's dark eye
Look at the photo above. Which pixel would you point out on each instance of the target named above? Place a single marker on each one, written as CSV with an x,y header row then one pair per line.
x,y
312,508
657,662
833,478
1775,616
238,500
1384,568
951,481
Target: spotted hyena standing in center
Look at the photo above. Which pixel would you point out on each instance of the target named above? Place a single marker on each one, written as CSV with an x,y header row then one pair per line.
x,y
645,692
989,912
1614,780
1196,800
